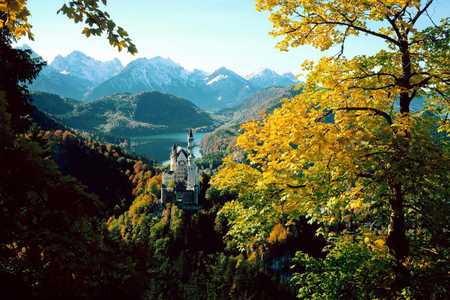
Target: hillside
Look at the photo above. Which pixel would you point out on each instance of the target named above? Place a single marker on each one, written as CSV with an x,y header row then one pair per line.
x,y
260,103
125,114
54,104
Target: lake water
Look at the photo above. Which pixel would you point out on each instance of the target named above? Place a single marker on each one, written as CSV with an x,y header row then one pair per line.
x,y
158,147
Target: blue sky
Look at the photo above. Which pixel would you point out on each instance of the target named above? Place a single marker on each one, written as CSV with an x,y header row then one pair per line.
x,y
204,34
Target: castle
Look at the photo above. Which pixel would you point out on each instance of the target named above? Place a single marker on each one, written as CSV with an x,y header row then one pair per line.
x,y
181,183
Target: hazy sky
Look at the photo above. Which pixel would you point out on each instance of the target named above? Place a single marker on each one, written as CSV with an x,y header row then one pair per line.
x,y
204,34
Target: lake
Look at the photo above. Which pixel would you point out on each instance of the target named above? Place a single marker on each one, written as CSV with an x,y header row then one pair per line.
x,y
158,147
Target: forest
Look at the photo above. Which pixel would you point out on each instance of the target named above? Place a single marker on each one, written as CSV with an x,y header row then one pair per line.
x,y
342,191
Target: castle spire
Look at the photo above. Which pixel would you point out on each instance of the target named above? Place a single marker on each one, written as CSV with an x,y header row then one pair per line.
x,y
190,138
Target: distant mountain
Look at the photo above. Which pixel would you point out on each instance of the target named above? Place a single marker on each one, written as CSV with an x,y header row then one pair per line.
x,y
126,114
73,76
80,65
227,87
268,78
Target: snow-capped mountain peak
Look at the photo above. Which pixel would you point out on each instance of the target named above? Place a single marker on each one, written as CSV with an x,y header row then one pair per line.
x,y
223,74
267,78
262,73
79,64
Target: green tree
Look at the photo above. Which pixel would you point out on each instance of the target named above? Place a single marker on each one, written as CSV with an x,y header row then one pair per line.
x,y
52,245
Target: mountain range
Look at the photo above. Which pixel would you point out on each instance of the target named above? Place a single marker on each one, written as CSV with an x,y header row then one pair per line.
x,y
84,78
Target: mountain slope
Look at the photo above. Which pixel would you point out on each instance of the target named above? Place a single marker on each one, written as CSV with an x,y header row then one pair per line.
x,y
260,103
65,85
252,108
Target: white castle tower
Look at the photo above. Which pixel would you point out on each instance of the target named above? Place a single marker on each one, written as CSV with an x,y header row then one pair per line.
x,y
181,182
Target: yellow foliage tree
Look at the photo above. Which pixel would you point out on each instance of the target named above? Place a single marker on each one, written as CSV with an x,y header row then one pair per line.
x,y
350,145
14,16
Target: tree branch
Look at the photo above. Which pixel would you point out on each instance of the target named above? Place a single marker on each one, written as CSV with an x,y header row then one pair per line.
x,y
350,24
341,51
417,16
375,111
296,186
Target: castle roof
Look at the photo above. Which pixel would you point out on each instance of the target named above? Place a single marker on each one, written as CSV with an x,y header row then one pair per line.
x,y
177,150
182,151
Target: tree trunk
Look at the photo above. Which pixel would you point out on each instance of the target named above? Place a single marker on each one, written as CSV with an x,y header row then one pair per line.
x,y
405,82
404,102
396,239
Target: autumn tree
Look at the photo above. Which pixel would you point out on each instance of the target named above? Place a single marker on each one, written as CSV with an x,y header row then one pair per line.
x,y
353,150
14,16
